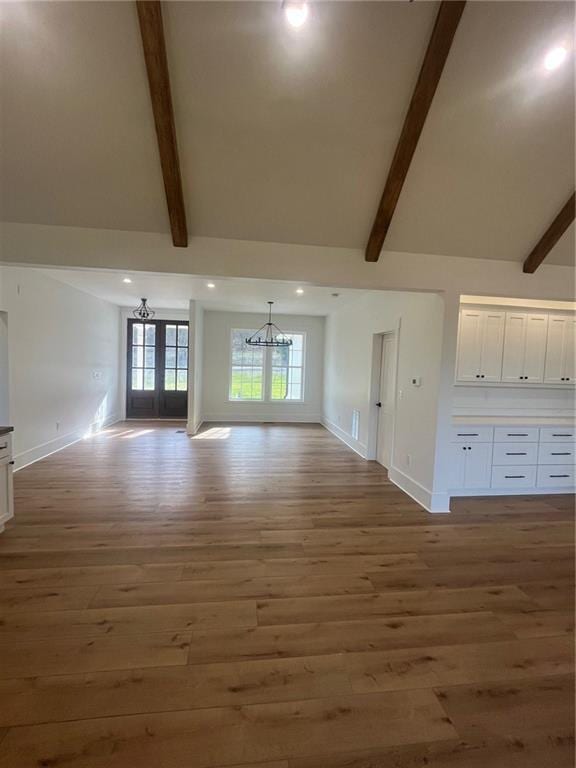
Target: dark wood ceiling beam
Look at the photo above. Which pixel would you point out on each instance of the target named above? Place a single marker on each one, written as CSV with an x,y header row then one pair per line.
x,y
551,236
152,33
439,46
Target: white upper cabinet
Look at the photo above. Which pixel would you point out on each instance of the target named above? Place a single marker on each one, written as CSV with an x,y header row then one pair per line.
x,y
516,348
560,350
480,342
524,347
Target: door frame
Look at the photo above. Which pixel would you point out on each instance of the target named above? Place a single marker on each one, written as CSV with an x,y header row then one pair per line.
x,y
177,315
374,411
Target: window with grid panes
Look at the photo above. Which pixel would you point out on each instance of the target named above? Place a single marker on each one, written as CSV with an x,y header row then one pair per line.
x,y
176,357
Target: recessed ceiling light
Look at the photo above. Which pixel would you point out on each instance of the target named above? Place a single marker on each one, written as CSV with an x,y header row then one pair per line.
x,y
299,291
210,285
127,280
296,13
555,57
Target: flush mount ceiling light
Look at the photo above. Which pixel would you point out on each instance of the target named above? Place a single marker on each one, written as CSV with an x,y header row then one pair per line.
x,y
555,58
296,13
127,280
210,285
300,291
269,335
143,312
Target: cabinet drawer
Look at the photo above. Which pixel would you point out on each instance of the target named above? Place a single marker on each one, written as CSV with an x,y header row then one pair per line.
x,y
513,477
560,476
556,453
515,453
516,434
5,446
472,434
557,434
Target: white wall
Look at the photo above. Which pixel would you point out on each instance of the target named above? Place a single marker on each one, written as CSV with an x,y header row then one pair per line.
x,y
216,369
348,371
63,362
195,367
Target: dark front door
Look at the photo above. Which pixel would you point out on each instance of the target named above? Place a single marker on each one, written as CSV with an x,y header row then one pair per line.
x,y
157,369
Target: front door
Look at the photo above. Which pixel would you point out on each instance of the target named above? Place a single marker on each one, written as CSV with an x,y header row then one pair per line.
x,y
157,369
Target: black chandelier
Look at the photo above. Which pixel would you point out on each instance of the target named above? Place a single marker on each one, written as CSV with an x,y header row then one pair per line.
x,y
143,312
270,338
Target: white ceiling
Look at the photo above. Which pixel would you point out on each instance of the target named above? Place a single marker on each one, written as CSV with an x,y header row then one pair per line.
x,y
287,136
165,291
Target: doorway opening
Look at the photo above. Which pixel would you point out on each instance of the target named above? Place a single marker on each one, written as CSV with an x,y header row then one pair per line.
x,y
157,369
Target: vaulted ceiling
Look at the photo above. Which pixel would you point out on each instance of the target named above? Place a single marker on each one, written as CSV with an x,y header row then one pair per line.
x,y
287,135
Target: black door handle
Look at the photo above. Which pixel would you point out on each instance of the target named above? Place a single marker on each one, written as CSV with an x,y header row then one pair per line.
x,y
378,405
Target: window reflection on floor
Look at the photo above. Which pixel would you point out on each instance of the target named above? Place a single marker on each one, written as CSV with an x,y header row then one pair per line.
x,y
215,433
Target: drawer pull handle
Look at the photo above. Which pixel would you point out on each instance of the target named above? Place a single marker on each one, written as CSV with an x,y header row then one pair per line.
x,y
2,447
560,434
516,434
558,475
467,434
516,477
517,454
566,453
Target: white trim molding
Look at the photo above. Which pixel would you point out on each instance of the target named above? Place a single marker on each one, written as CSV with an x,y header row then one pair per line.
x,y
360,448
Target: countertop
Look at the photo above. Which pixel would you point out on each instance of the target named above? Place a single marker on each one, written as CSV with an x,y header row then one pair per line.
x,y
524,421
6,430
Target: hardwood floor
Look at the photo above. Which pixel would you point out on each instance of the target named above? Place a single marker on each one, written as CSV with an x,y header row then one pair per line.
x,y
261,597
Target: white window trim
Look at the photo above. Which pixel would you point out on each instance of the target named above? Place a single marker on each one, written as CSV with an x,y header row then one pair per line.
x,y
267,373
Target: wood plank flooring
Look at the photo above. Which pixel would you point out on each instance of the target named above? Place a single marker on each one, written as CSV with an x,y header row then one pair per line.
x,y
260,597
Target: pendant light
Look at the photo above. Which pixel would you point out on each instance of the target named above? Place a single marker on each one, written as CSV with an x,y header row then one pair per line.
x,y
272,335
143,312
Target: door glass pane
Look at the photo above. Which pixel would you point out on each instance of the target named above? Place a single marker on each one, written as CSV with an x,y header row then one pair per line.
x,y
137,357
150,334
182,380
149,378
169,380
182,335
170,357
137,378
183,357
137,333
170,335
150,357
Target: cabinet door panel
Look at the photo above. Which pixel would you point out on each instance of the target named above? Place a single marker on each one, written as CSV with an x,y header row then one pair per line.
x,y
457,464
492,344
535,347
514,345
469,345
555,356
569,350
478,466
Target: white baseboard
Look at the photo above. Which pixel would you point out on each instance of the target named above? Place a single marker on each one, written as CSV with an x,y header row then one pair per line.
x,y
479,492
30,456
277,418
360,448
437,503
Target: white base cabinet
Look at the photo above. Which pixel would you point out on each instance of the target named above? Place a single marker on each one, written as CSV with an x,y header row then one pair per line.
x,y
6,487
491,460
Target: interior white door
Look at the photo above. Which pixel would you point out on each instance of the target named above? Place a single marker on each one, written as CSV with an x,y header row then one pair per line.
x,y
555,357
535,347
387,402
469,345
492,343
